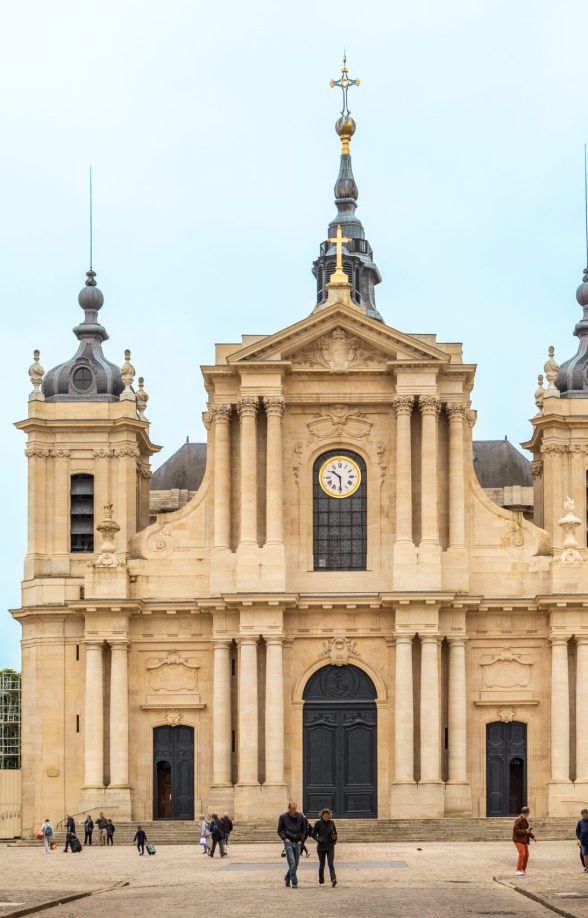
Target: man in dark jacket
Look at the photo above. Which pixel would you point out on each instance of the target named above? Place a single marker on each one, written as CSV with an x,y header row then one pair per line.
x,y
582,836
217,833
88,829
325,835
292,831
227,828
70,832
101,822
140,839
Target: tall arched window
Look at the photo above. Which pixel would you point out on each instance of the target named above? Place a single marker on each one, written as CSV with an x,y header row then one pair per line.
x,y
339,496
82,513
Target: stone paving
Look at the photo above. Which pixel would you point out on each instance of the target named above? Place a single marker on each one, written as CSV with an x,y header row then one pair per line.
x,y
408,880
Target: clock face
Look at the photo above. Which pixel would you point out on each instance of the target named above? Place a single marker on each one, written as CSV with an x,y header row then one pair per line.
x,y
339,476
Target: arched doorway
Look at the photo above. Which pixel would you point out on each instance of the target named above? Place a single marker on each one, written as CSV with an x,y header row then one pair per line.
x,y
506,768
173,772
340,743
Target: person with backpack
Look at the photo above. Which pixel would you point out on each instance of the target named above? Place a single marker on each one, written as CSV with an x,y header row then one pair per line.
x,y
227,827
88,829
46,834
325,835
140,839
110,830
101,822
218,836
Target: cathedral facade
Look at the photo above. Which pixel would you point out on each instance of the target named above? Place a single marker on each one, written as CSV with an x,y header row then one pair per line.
x,y
322,603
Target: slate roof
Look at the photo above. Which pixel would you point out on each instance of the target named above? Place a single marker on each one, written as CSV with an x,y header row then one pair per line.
x,y
499,464
184,470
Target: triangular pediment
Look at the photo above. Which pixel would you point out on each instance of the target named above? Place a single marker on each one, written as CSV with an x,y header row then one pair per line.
x,y
338,339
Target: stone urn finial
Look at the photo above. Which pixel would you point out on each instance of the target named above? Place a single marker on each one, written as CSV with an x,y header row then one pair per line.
x,y
36,373
142,399
569,523
108,529
127,374
551,369
539,395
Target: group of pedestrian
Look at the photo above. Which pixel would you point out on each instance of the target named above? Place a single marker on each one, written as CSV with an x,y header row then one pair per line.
x,y
522,835
217,829
106,830
294,829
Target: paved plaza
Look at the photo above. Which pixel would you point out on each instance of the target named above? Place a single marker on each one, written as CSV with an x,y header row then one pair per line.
x,y
432,880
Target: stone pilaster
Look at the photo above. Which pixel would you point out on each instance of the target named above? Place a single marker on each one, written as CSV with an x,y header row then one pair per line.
x,y
458,797
94,717
582,709
221,415
274,711
274,410
456,413
429,407
247,408
559,784
221,715
119,715
247,791
404,548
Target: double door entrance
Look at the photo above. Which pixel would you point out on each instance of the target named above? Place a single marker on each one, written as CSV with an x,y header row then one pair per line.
x,y
506,768
173,773
340,743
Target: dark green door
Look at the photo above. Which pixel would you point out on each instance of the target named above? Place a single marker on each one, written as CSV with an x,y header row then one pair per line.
x,y
506,768
173,773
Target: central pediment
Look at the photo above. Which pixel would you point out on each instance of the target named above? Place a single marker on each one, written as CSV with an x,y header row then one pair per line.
x,y
339,339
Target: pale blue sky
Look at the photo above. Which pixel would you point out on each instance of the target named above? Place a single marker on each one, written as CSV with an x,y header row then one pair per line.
x,y
210,131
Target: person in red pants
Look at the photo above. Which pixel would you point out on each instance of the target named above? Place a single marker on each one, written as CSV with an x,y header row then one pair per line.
x,y
522,833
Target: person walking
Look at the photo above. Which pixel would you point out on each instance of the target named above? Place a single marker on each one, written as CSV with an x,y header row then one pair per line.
x,y
140,839
522,833
218,836
110,830
46,833
307,834
228,828
88,829
204,834
325,835
582,836
70,825
292,831
102,823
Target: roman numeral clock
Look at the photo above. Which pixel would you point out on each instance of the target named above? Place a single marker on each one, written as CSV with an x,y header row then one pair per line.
x,y
339,476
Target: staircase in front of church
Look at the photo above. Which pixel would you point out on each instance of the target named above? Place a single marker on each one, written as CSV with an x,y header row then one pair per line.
x,y
359,831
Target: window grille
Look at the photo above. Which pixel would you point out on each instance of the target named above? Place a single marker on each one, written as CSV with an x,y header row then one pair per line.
x,y
339,524
9,719
82,513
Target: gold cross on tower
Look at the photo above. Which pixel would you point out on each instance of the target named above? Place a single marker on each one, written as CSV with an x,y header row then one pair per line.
x,y
339,277
344,83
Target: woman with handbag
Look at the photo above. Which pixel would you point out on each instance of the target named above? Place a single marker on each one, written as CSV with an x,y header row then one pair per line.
x,y
325,835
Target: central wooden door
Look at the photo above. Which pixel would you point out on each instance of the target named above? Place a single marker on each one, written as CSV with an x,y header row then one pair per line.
x,y
173,773
506,768
340,743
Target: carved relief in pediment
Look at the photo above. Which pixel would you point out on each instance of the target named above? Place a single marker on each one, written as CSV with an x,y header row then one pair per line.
x,y
338,420
339,352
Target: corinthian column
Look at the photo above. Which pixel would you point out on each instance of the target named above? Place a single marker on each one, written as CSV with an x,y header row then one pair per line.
x,y
247,408
274,711
560,710
429,407
119,715
456,414
221,415
248,743
403,407
403,712
582,708
94,717
274,410
221,714
457,712
430,712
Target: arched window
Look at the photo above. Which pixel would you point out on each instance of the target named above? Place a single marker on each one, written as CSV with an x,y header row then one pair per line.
x,y
82,513
339,497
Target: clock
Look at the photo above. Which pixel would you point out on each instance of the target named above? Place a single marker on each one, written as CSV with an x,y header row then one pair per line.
x,y
339,476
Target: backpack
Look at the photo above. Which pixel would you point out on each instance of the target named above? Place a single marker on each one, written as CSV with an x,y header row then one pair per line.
x,y
215,831
47,830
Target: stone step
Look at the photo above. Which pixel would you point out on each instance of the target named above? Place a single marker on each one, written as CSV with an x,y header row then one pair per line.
x,y
452,829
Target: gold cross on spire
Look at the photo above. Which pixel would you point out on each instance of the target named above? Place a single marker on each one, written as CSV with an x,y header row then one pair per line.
x,y
344,83
339,277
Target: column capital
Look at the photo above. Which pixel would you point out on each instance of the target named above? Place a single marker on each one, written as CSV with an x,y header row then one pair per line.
x,y
559,639
403,638
403,404
581,638
429,405
430,638
247,406
244,639
221,642
93,643
456,411
457,640
119,643
220,413
274,405
274,638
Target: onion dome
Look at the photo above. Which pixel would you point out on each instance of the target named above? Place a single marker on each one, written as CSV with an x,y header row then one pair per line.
x,y
572,379
88,376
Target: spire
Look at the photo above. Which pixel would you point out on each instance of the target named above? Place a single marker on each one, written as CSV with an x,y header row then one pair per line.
x,y
361,271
